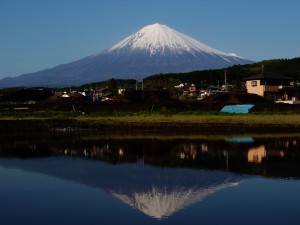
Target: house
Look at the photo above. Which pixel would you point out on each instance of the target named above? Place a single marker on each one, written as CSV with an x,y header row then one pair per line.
x,y
100,94
197,88
184,88
121,91
65,95
274,87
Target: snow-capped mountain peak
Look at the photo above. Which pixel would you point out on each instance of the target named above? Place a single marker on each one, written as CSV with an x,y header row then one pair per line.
x,y
153,49
158,38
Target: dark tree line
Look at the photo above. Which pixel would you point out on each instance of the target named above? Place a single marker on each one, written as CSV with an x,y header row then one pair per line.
x,y
286,67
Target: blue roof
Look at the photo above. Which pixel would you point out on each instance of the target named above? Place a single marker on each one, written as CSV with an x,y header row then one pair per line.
x,y
237,108
240,140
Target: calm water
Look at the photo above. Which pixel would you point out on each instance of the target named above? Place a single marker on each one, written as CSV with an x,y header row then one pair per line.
x,y
149,179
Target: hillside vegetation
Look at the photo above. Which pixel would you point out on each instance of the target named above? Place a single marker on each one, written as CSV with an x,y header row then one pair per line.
x,y
237,73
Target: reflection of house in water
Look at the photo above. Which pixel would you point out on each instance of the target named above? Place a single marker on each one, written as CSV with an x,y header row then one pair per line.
x,y
191,150
237,154
268,152
256,154
230,153
171,186
240,155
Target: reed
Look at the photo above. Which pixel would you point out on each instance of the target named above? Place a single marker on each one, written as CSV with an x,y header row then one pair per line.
x,y
160,118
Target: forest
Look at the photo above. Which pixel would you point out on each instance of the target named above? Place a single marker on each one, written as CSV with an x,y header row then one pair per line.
x,y
234,74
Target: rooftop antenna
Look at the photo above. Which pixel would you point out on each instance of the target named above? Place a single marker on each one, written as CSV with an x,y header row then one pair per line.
x,y
262,68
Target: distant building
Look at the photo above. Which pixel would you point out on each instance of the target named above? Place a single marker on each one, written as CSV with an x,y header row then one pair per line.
x,y
121,91
65,95
197,88
274,87
102,93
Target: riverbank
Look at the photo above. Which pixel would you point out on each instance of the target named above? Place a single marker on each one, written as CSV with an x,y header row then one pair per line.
x,y
168,121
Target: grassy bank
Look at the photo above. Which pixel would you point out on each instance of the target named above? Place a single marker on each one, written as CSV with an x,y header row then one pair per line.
x,y
153,119
158,120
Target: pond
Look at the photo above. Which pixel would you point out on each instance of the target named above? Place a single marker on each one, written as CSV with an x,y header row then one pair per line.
x,y
149,178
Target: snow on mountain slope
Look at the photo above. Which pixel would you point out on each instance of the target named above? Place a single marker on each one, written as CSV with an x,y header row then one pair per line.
x,y
155,38
153,49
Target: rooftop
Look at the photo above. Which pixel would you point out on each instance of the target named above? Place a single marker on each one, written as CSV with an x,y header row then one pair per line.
x,y
272,76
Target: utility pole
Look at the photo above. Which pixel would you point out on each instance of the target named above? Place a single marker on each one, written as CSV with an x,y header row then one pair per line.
x,y
225,80
136,86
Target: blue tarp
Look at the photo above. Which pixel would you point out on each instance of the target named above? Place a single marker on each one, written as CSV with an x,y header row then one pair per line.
x,y
237,108
240,140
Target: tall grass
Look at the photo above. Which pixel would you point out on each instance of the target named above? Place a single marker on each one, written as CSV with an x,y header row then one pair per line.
x,y
171,117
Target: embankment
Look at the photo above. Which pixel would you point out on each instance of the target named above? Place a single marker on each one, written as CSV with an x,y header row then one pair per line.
x,y
204,123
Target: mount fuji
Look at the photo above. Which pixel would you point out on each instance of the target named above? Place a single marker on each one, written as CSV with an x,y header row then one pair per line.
x,y
153,49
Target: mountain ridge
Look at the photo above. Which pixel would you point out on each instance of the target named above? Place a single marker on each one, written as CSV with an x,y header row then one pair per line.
x,y
153,49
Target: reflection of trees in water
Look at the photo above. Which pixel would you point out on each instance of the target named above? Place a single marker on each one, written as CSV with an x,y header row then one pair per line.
x,y
263,156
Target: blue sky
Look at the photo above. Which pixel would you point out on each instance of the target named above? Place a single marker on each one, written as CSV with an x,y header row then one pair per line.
x,y
40,34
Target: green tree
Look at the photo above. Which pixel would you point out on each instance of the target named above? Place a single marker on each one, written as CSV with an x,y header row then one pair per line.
x,y
112,85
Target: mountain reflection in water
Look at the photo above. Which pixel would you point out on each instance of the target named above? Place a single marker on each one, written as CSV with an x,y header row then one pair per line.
x,y
156,176
157,192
